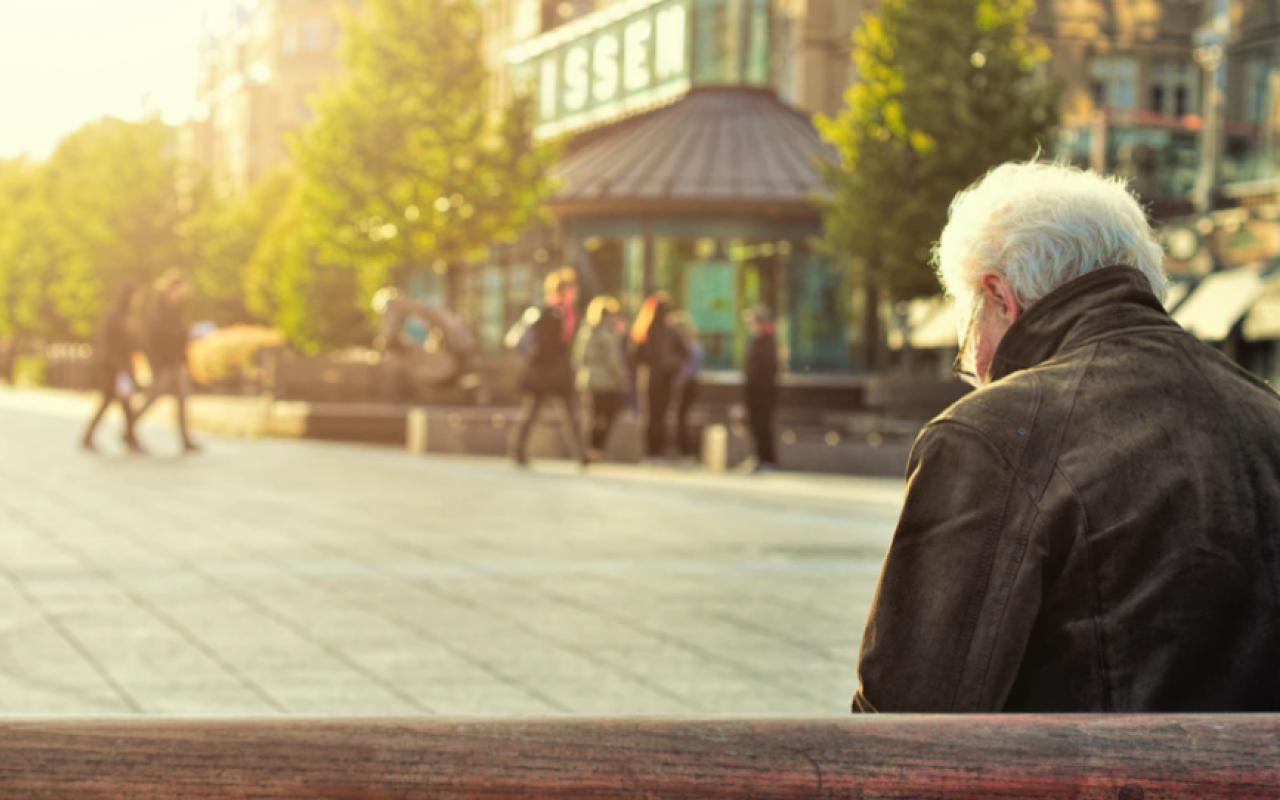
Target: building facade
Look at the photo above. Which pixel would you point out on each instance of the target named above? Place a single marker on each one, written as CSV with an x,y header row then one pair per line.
x,y
261,64
690,162
688,148
1132,90
1139,78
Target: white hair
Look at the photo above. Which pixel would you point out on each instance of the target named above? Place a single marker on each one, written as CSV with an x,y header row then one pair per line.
x,y
1041,225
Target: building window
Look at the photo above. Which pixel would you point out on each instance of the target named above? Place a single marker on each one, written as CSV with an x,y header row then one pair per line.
x,y
311,35
1257,84
758,43
1172,87
732,41
783,66
289,38
719,34
1114,82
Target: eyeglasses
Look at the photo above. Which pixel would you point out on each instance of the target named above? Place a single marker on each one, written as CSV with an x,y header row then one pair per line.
x,y
960,369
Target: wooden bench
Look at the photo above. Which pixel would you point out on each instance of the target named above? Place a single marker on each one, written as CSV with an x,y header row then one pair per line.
x,y
1119,757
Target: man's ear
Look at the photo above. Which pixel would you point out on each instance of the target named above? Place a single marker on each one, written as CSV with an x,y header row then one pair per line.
x,y
1001,295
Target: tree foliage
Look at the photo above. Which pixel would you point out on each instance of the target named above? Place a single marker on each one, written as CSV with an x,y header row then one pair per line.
x,y
289,283
103,209
32,250
947,89
221,235
408,165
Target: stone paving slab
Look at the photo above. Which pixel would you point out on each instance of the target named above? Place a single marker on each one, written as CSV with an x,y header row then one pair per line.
x,y
276,578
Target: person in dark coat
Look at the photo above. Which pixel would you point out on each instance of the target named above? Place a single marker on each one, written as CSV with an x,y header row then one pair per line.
x,y
167,337
760,391
545,337
1096,528
113,365
661,351
683,325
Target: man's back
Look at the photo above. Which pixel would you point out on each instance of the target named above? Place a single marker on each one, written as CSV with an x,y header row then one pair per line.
x,y
1119,536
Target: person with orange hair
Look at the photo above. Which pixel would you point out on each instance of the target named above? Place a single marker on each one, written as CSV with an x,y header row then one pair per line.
x,y
661,351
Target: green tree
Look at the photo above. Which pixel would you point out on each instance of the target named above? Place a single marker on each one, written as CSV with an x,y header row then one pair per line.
x,y
947,89
220,237
33,251
289,284
408,165
110,192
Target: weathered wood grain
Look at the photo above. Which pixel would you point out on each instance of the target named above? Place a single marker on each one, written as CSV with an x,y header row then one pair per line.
x,y
1117,757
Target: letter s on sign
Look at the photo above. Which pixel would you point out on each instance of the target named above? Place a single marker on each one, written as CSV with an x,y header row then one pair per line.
x,y
576,82
605,63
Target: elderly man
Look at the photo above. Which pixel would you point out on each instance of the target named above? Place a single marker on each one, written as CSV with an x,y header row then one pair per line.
x,y
1097,527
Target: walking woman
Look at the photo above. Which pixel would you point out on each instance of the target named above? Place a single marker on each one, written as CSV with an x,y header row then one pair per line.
x,y
602,371
682,324
113,365
663,354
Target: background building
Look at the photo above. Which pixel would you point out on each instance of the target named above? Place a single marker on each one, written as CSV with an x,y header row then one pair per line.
x,y
689,161
1132,101
260,65
688,149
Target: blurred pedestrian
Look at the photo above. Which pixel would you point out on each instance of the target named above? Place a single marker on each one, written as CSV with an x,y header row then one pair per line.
x,y
683,325
663,354
761,388
601,367
166,347
113,365
545,337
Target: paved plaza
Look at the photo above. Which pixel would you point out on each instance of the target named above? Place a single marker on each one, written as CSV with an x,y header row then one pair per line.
x,y
270,578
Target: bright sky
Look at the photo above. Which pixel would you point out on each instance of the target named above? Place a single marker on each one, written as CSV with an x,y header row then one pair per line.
x,y
65,62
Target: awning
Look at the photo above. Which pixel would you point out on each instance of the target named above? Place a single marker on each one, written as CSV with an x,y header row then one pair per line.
x,y
1219,302
1263,320
718,150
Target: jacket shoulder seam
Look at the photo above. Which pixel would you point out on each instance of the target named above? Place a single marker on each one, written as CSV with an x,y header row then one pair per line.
x,y
1004,454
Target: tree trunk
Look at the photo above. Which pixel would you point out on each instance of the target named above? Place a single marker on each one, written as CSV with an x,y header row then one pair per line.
x,y
871,330
906,355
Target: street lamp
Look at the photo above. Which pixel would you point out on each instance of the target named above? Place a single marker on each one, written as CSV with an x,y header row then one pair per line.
x,y
1210,53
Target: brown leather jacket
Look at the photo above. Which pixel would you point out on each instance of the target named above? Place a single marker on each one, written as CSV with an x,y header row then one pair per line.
x,y
1097,530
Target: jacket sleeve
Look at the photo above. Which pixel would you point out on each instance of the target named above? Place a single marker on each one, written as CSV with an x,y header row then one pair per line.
x,y
960,589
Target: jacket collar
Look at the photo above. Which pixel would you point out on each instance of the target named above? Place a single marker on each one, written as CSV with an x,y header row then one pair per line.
x,y
1102,303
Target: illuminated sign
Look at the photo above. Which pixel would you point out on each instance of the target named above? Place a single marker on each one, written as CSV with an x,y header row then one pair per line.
x,y
629,56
